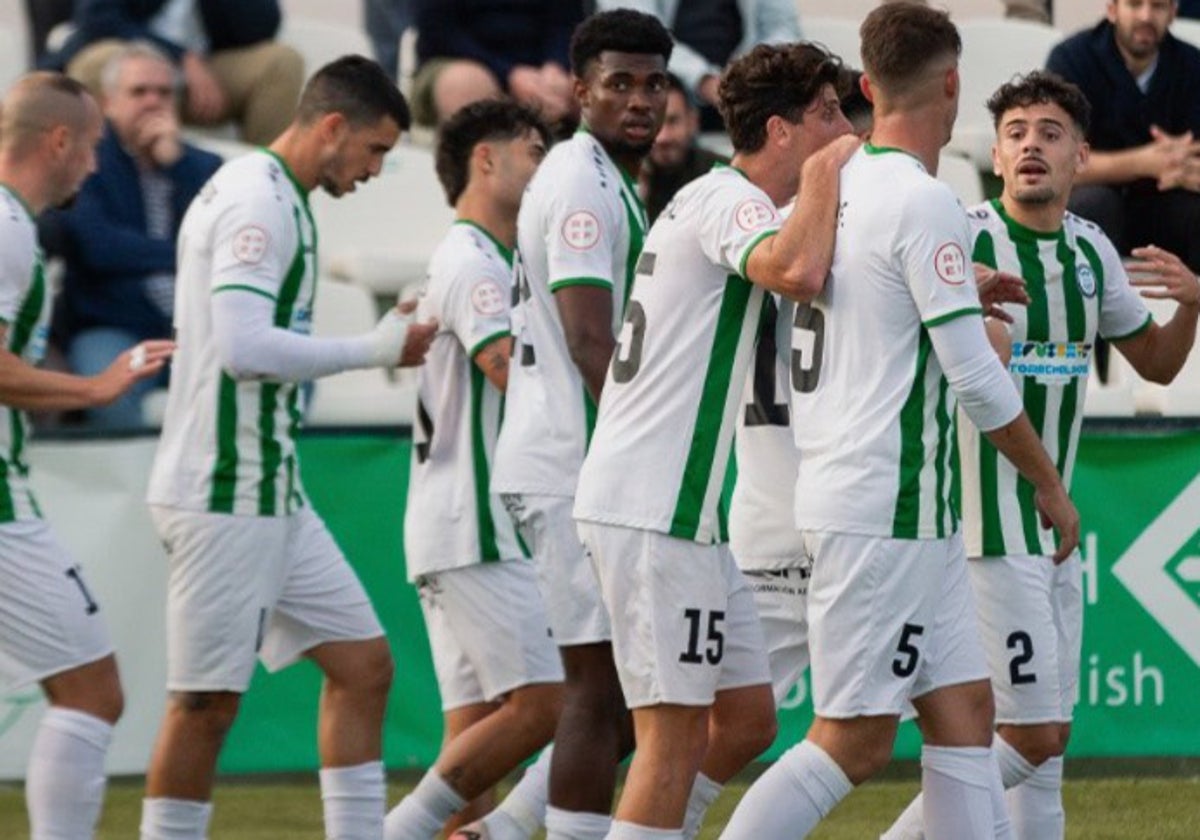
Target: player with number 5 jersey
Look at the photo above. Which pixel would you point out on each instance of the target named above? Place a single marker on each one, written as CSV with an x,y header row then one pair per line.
x,y
686,635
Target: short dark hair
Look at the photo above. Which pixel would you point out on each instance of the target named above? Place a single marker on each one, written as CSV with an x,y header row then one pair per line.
x,y
1041,88
619,30
900,40
855,105
358,89
770,80
488,119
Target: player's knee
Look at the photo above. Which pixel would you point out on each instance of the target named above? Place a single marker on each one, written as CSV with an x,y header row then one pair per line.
x,y
1039,744
210,714
749,733
375,669
537,708
109,702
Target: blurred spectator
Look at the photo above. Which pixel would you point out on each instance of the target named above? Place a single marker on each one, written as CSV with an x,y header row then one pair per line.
x,y
675,159
469,50
386,21
1142,181
119,236
710,33
1038,11
854,103
1189,8
232,69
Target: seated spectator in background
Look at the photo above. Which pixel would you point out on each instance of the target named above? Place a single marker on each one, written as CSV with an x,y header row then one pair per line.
x,y
1038,11
232,69
854,103
711,33
675,159
1189,8
469,50
119,236
1142,182
385,22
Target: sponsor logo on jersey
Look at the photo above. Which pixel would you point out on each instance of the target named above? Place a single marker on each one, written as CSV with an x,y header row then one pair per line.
x,y
950,263
1050,362
581,231
487,297
250,244
1087,280
753,214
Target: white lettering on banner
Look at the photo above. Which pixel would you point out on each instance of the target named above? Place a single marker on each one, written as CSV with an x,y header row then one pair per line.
x,y
1088,559
1155,566
797,694
1118,685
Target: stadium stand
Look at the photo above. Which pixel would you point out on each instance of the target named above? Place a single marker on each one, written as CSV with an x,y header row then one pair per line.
x,y
837,34
320,41
12,56
962,176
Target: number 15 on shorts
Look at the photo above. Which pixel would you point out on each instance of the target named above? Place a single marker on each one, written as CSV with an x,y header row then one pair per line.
x,y
710,649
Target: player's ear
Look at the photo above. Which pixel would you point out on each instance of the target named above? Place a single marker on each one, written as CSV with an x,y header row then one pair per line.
x,y
582,94
1082,155
484,157
332,127
952,82
777,129
996,160
864,84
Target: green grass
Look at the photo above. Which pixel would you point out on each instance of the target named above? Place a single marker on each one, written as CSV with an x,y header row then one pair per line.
x,y
1097,809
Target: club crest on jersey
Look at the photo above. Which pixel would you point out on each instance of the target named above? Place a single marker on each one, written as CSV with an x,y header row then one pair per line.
x,y
950,263
753,214
487,298
581,231
250,244
1086,278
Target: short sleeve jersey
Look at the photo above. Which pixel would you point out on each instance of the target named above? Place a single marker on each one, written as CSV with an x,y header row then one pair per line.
x,y
876,442
451,519
25,313
581,223
229,446
762,520
665,429
1078,289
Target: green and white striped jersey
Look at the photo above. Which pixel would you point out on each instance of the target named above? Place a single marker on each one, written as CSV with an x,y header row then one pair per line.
x,y
665,427
229,446
1078,289
581,223
451,519
873,412
25,312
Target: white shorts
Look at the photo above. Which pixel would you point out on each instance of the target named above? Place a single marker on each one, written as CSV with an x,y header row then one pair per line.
x,y
780,596
49,619
683,617
888,620
1031,621
246,587
566,578
487,631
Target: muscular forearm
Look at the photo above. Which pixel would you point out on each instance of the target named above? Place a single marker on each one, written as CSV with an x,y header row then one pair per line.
x,y
1167,347
24,387
1115,168
592,359
1019,443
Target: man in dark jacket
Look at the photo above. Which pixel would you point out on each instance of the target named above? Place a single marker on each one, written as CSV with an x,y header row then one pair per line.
x,y
119,236
1142,182
231,68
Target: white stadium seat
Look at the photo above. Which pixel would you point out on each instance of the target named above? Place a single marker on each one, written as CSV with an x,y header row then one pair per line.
x,y
1182,397
1186,29
12,57
994,50
227,147
382,235
837,34
1114,398
962,176
371,397
320,41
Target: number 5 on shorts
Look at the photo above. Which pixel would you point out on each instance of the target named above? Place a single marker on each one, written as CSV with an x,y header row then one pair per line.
x,y
904,664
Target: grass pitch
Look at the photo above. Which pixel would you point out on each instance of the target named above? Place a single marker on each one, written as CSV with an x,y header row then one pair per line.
x,y
1097,809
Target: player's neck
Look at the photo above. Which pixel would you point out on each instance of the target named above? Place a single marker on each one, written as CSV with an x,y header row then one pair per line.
x,y
776,178
918,133
26,181
300,153
485,212
1042,218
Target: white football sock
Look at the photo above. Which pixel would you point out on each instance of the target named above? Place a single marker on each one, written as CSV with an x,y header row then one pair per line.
x,y
796,793
576,825
1036,804
354,801
910,825
175,819
64,784
704,793
523,811
957,787
420,815
1014,767
631,831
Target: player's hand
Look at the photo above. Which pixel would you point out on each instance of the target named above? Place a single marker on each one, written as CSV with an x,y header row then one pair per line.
x,y
1058,512
997,287
139,362
416,343
833,154
1163,276
206,101
158,135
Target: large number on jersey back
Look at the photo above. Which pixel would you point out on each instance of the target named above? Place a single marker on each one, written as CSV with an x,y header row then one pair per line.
x,y
808,343
627,358
763,410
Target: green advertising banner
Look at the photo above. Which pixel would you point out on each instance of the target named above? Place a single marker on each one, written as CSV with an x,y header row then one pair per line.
x,y
1139,496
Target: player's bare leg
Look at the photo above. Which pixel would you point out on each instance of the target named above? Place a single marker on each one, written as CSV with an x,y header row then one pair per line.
x,y
358,675
65,781
594,734
455,722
